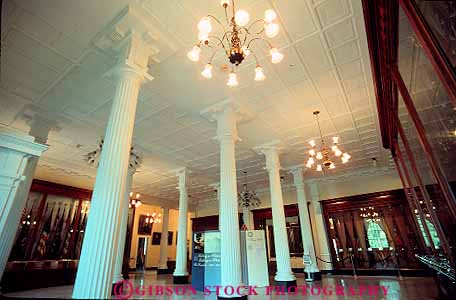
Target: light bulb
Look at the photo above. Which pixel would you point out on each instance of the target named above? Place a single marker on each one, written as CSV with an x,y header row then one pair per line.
x,y
319,155
335,139
207,72
271,29
194,54
346,156
269,15
344,160
232,79
333,148
308,166
276,56
311,161
338,153
312,152
319,169
131,194
312,143
332,166
153,214
259,75
204,25
203,36
224,3
241,17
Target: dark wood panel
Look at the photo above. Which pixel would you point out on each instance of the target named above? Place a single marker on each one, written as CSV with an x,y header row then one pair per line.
x,y
51,188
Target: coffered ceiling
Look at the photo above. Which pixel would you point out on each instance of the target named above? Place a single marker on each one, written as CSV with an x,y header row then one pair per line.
x,y
52,68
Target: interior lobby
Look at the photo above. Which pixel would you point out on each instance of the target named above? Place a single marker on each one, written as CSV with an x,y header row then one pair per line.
x,y
228,149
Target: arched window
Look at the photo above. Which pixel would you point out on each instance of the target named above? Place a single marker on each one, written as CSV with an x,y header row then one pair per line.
x,y
376,236
432,231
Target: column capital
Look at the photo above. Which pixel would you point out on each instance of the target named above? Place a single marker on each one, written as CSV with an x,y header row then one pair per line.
x,y
271,151
20,142
227,113
298,175
41,122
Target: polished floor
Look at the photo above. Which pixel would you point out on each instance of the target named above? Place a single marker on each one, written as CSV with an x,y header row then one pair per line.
x,y
331,287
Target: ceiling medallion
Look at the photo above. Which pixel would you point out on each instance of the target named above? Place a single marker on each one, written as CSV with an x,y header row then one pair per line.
x,y
247,198
321,157
236,40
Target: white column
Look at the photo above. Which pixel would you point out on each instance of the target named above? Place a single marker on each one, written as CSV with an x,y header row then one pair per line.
x,y
284,273
304,219
227,113
163,265
247,217
180,273
123,224
16,150
95,269
319,228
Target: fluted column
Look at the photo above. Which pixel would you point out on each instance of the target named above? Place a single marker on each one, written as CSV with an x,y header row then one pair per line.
x,y
95,270
284,275
227,114
180,275
319,228
247,217
123,224
311,270
163,265
17,152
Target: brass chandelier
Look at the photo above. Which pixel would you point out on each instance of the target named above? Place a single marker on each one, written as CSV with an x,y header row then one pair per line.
x,y
321,157
236,40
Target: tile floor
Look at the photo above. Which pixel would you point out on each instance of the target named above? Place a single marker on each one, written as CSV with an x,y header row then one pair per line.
x,y
409,288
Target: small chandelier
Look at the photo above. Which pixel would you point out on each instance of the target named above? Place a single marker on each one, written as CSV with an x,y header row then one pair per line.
x,y
247,198
93,157
153,218
236,40
134,201
320,157
369,213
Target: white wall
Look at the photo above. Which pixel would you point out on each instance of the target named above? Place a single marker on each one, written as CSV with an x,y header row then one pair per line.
x,y
153,251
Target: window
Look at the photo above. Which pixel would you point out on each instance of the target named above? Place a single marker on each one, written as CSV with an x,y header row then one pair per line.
x,y
375,235
432,231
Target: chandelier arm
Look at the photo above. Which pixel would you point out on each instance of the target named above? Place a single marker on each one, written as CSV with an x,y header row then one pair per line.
x,y
217,20
219,40
213,54
251,25
256,58
262,39
226,14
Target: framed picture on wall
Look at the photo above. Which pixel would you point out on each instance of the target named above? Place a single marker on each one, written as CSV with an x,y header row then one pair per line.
x,y
156,237
144,226
170,238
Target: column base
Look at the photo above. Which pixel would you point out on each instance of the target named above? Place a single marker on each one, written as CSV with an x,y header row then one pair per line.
x,y
180,279
286,284
164,271
312,276
234,298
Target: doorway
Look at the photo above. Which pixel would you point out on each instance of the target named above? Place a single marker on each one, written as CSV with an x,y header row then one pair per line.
x,y
141,255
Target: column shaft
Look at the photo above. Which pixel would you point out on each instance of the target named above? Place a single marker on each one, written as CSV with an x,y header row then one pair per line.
x,y
228,216
123,229
163,265
180,273
319,229
95,270
18,159
306,228
282,250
